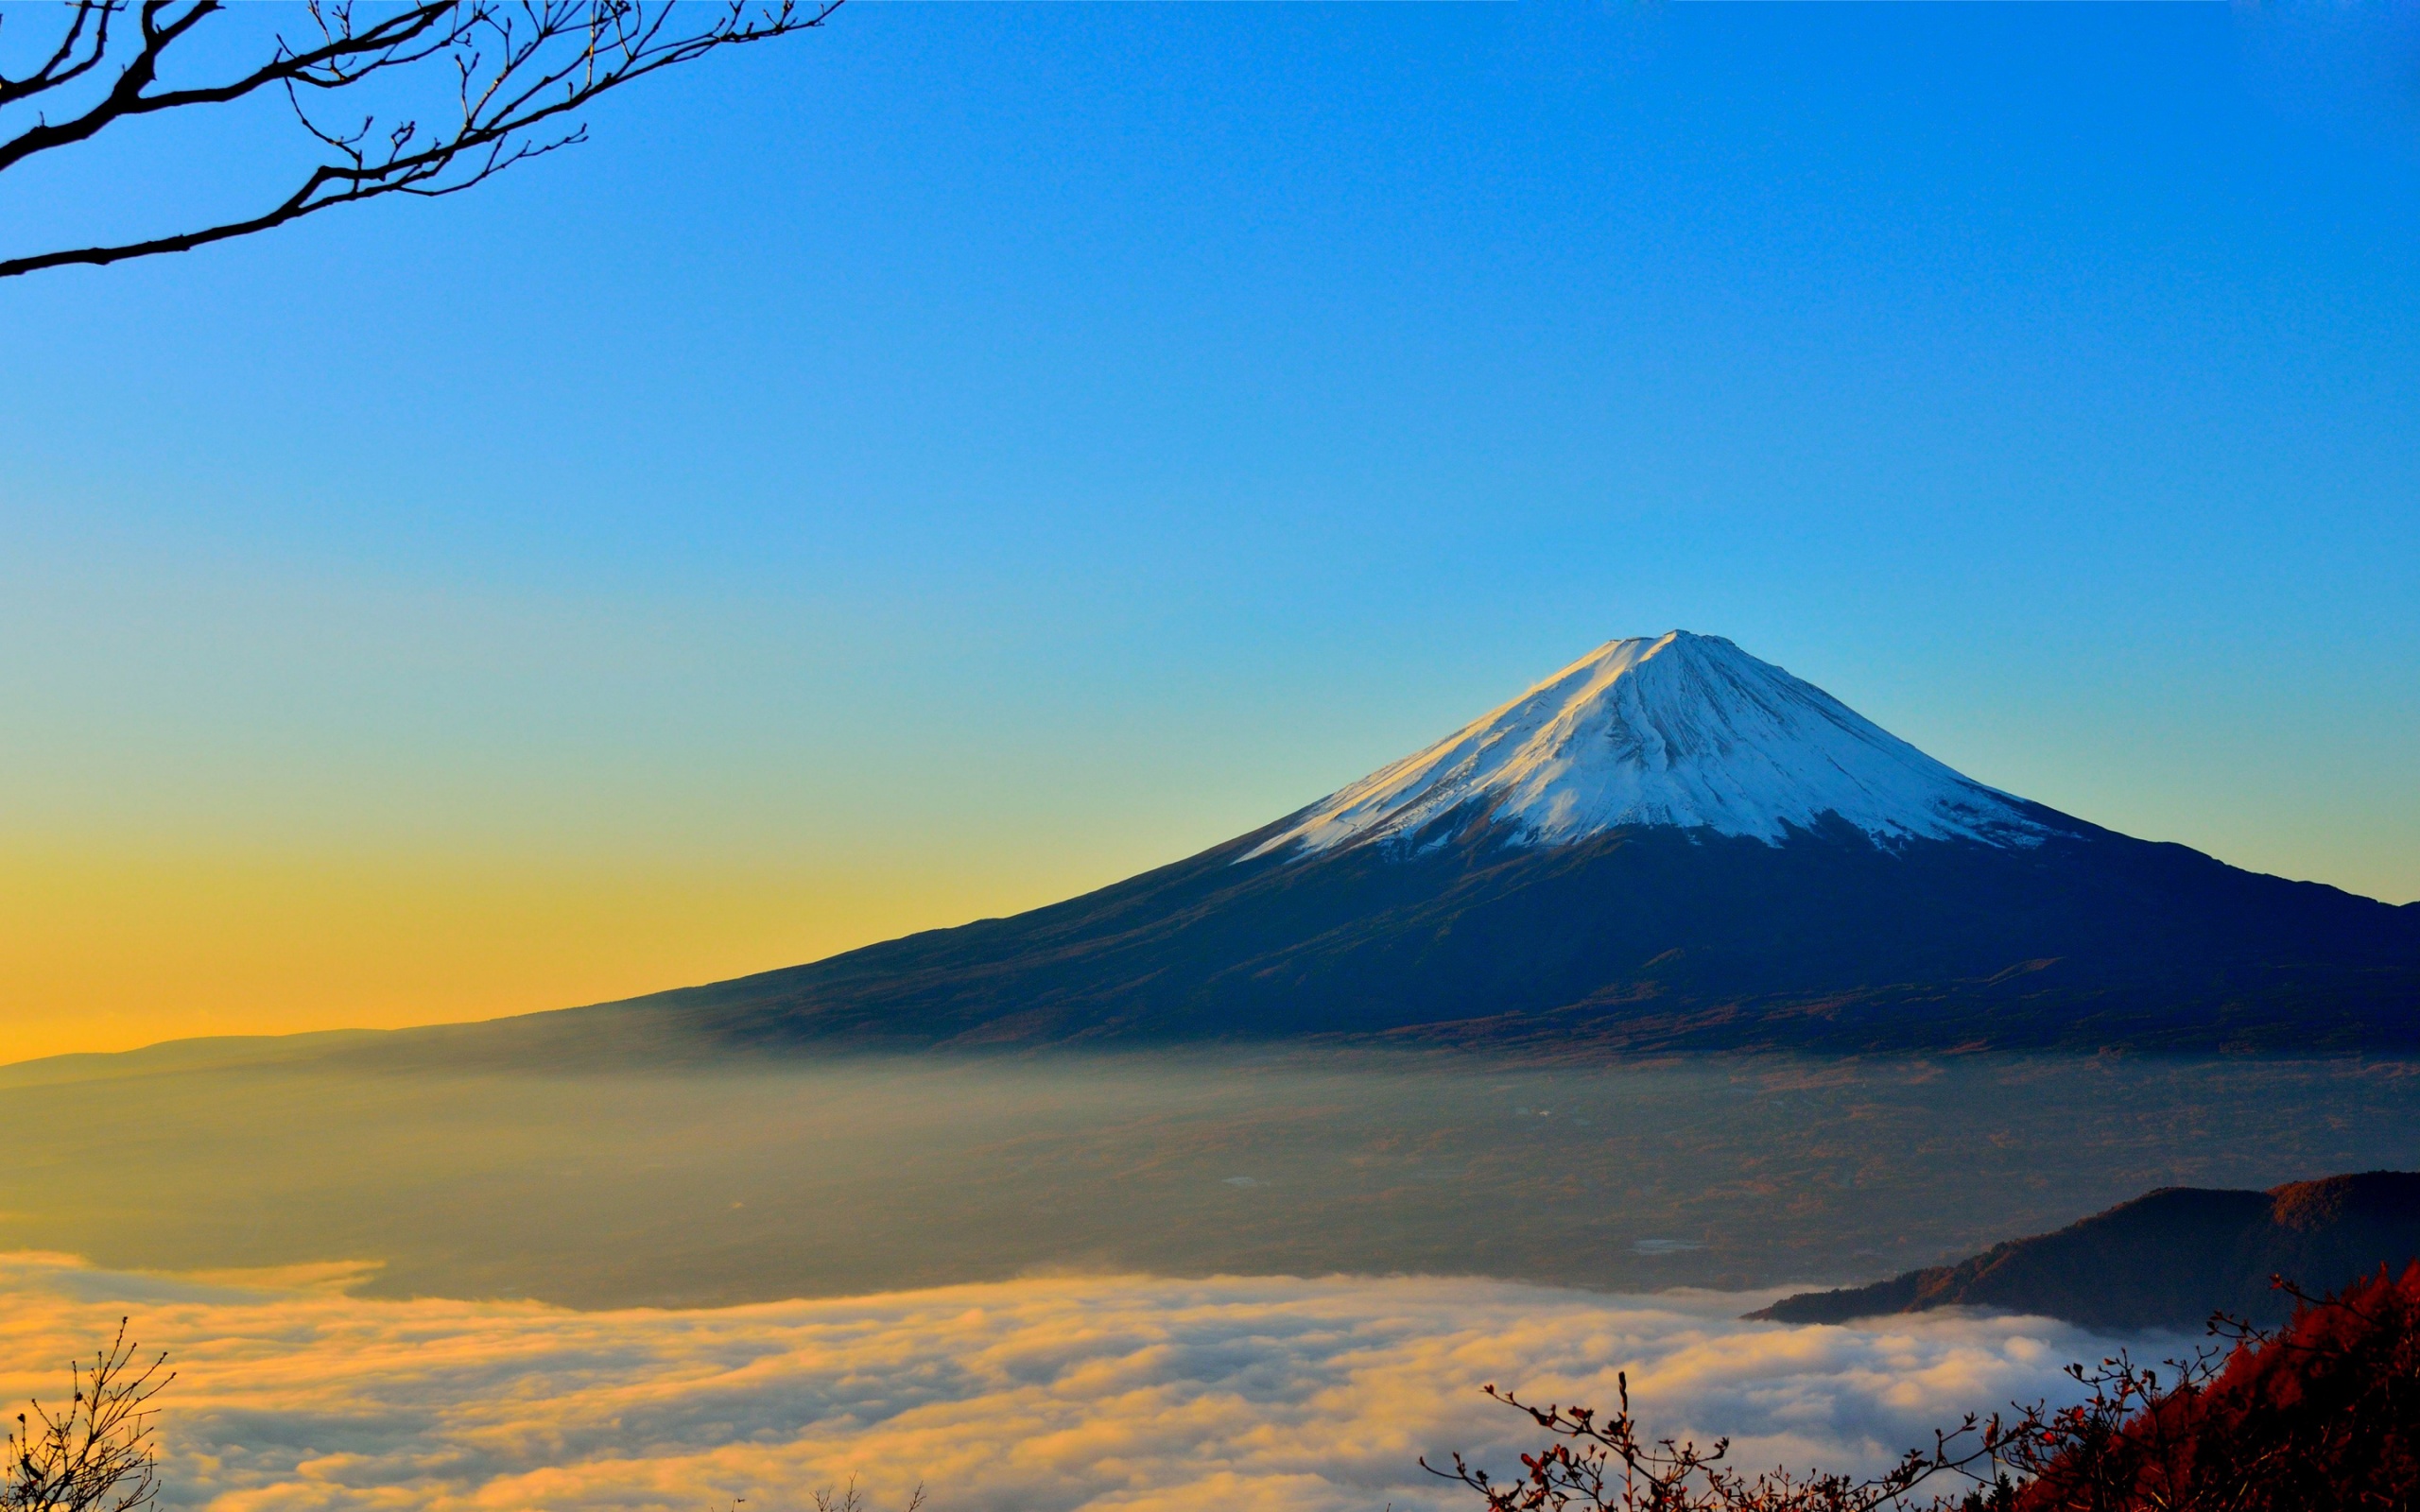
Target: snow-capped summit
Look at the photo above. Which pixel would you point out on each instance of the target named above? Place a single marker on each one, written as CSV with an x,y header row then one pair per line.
x,y
1680,729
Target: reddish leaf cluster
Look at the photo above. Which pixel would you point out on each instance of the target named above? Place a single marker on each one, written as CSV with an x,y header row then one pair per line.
x,y
2322,1414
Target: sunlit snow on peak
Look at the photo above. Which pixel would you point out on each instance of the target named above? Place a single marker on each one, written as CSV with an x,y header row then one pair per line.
x,y
1679,730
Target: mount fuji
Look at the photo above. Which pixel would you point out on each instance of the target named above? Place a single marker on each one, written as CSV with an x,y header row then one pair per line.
x,y
1668,844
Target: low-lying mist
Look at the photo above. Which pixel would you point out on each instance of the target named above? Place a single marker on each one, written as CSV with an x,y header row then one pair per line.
x,y
1114,1393
759,1181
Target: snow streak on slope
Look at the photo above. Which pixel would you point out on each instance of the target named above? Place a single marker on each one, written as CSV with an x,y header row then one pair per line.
x,y
1684,730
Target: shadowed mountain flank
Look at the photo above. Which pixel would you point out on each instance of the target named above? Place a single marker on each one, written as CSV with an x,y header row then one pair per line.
x,y
2168,1258
1637,938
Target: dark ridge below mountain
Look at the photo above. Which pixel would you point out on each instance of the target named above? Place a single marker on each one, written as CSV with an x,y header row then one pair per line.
x,y
2169,1258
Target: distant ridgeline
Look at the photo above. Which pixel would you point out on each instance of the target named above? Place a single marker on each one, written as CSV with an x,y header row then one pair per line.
x,y
2169,1258
1667,845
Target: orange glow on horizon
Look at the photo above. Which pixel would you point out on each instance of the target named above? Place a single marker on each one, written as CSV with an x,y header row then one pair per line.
x,y
104,951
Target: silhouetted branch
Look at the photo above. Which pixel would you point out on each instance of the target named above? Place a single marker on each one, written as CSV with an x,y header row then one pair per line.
x,y
514,72
98,1452
1595,1463
849,1498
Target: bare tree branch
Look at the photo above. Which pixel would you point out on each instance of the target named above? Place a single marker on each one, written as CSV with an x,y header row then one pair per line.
x,y
84,45
517,71
1594,1463
95,1454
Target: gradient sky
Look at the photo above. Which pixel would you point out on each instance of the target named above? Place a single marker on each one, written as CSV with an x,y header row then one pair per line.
x,y
976,453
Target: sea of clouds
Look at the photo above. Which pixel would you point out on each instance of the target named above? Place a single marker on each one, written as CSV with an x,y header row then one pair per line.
x,y
1052,1393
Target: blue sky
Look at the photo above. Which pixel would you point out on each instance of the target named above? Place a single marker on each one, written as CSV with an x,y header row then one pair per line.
x,y
976,452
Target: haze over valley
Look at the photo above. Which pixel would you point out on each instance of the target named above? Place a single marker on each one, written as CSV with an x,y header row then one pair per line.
x,y
827,1176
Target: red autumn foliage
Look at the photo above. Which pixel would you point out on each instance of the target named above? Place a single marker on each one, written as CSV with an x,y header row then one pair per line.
x,y
2323,1413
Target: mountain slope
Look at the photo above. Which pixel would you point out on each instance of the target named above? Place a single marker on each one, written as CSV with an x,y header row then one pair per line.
x,y
2168,1258
1668,844
1642,939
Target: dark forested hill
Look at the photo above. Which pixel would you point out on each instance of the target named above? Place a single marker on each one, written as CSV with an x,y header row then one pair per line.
x,y
2169,1258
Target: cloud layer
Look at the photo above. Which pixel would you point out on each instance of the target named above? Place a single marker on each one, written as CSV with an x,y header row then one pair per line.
x,y
1033,1396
